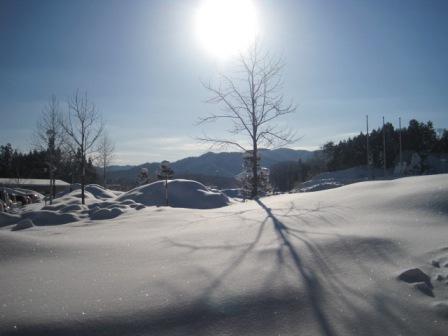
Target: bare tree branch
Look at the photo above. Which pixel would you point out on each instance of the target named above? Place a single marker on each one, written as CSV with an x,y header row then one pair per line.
x,y
215,142
251,101
83,125
105,154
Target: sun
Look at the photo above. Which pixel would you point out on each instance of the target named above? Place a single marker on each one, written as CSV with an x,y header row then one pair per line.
x,y
226,27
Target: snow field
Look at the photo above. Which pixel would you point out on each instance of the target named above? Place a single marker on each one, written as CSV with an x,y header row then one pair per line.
x,y
323,263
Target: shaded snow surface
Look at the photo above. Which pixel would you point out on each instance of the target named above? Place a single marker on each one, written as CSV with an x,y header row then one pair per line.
x,y
181,194
338,178
324,263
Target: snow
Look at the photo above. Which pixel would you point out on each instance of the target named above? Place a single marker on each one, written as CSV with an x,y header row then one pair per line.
x,y
98,191
8,219
23,224
233,193
94,191
322,263
181,194
335,179
31,182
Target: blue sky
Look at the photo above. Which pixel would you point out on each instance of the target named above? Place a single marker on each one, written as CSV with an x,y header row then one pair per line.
x,y
141,64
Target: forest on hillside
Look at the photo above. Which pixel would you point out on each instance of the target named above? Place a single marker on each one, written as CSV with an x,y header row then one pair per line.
x,y
34,164
418,137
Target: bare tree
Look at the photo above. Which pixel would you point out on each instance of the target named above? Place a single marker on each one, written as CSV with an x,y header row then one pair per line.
x,y
50,137
251,100
83,125
105,153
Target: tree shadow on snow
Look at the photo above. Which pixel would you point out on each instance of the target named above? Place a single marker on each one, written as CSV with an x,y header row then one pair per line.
x,y
269,312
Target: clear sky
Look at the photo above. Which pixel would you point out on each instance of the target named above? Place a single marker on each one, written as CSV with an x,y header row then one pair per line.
x,y
141,63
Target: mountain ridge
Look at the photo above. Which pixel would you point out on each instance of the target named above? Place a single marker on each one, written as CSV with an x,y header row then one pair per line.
x,y
221,164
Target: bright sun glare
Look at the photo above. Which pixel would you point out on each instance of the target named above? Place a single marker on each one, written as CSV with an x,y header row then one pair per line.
x,y
226,27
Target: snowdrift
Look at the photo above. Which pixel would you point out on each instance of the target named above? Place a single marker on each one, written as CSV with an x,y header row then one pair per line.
x,y
67,208
181,194
95,190
366,259
339,178
103,204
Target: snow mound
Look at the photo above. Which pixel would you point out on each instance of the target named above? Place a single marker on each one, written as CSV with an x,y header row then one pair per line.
x,y
92,191
100,214
23,224
8,219
72,197
100,192
47,217
73,208
181,194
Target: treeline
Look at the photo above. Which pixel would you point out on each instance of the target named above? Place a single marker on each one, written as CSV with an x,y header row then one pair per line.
x,y
35,164
419,137
65,143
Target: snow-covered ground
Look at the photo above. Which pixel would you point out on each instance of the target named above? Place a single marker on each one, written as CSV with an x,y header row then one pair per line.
x,y
338,178
323,263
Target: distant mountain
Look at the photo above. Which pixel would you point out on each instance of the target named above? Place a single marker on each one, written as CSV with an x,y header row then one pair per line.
x,y
224,165
119,168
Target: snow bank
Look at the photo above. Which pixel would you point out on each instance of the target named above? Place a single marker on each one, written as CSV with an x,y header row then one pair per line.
x,y
339,178
23,224
67,208
8,219
71,197
47,217
94,190
106,213
181,194
100,192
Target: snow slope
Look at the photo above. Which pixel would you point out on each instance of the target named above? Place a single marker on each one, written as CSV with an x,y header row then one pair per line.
x,y
338,178
323,263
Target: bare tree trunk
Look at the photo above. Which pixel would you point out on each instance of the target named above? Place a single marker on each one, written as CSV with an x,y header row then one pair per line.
x,y
105,152
83,179
84,126
104,176
255,170
54,187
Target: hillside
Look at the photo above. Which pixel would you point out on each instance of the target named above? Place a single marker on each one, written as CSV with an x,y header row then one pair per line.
x,y
334,262
224,165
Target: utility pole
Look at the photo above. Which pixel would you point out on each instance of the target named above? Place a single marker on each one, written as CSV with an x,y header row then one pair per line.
x,y
367,145
384,148
401,149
